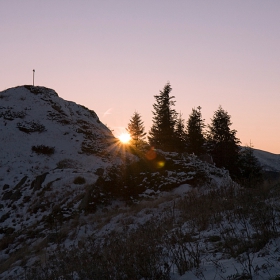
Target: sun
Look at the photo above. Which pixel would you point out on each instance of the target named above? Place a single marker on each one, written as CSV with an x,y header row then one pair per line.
x,y
124,138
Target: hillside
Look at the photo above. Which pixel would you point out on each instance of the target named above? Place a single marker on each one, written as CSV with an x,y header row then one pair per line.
x,y
46,144
45,139
269,161
76,204
35,116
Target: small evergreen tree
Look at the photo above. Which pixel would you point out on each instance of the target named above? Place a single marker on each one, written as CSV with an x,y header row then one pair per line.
x,y
195,137
223,144
250,168
180,134
136,129
162,133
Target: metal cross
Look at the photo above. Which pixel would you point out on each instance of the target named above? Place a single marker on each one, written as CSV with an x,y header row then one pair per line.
x,y
33,76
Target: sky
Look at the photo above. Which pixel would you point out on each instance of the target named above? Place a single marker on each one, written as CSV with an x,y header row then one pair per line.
x,y
114,56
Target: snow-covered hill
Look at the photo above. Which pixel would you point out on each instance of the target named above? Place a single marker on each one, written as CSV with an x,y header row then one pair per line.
x,y
268,161
37,116
47,139
67,184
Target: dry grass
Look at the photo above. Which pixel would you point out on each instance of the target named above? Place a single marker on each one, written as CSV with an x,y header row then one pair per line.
x,y
168,222
21,256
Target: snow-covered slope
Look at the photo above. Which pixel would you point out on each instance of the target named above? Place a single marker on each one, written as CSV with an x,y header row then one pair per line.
x,y
60,168
52,153
50,150
34,116
269,161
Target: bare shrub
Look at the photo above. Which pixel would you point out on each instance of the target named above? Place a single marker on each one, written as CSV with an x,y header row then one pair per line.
x,y
185,251
42,149
137,254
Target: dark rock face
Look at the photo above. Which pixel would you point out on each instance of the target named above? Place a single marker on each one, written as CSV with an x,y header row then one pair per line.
x,y
5,187
7,195
21,182
39,180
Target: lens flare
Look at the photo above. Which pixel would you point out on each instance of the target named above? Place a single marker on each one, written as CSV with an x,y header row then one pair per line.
x,y
151,154
160,164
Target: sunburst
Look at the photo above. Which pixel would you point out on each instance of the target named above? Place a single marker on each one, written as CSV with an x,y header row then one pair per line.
x,y
124,138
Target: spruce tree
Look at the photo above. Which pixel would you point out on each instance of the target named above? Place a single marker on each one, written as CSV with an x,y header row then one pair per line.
x,y
136,129
223,144
180,134
250,168
195,136
162,133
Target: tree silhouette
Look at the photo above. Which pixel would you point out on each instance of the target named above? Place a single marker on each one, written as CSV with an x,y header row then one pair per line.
x,y
223,144
136,129
162,133
195,137
250,168
180,134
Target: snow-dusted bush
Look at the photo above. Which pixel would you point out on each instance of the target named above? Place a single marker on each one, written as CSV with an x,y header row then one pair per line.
x,y
163,173
42,149
66,163
31,127
79,180
10,115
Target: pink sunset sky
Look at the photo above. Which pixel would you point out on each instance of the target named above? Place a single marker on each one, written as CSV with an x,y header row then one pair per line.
x,y
113,56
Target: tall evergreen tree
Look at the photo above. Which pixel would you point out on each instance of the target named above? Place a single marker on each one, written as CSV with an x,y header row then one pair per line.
x,y
250,168
136,129
195,135
222,142
180,134
162,133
